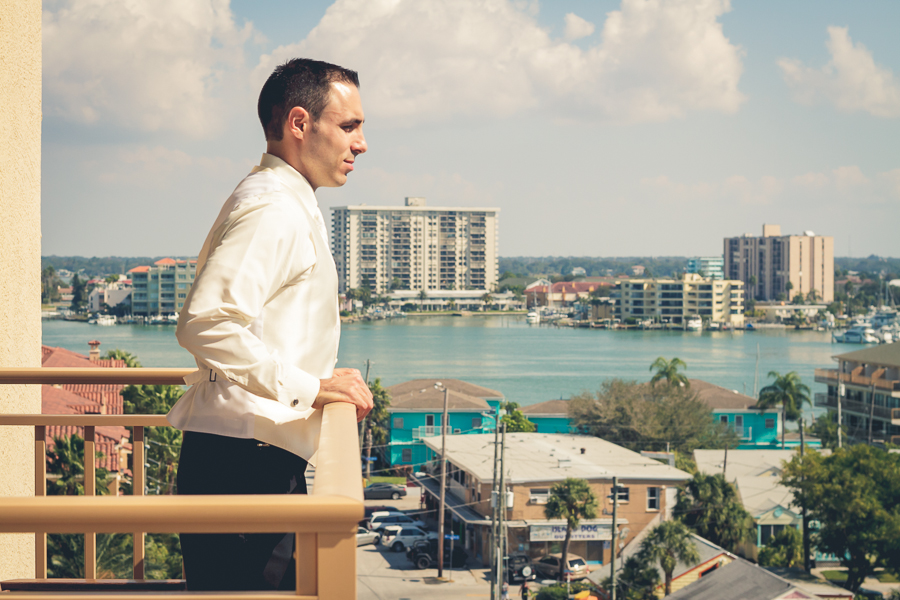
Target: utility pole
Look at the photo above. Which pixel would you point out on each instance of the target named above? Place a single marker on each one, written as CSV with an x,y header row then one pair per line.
x,y
362,426
615,538
806,565
368,450
495,503
501,515
443,484
725,462
871,410
841,392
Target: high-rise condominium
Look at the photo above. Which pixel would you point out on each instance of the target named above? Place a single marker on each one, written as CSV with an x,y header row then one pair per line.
x,y
415,247
776,266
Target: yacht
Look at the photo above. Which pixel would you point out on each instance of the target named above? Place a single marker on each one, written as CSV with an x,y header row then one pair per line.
x,y
714,326
106,320
694,324
859,334
533,317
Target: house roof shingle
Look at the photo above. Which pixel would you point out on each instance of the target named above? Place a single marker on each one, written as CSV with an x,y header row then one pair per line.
x,y
550,407
454,385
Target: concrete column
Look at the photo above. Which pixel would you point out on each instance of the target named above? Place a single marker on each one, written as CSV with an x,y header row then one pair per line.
x,y
20,249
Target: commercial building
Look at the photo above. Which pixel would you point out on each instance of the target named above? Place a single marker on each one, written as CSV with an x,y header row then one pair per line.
x,y
778,267
415,247
866,383
161,289
707,266
533,463
676,300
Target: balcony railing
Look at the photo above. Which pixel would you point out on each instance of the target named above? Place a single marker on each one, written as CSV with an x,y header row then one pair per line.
x,y
834,376
424,431
859,408
325,521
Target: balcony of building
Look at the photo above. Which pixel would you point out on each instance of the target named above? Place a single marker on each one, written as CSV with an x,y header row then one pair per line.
x,y
324,521
857,378
863,409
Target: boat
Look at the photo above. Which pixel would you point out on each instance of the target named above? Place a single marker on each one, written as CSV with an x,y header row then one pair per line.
x,y
856,335
105,320
533,317
714,326
693,324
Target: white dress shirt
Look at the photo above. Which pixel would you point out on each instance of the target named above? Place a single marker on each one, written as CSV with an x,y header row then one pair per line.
x,y
262,317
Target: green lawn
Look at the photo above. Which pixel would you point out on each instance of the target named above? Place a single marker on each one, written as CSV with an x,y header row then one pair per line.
x,y
841,576
397,480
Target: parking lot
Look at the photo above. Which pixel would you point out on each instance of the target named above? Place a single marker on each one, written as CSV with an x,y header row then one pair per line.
x,y
386,575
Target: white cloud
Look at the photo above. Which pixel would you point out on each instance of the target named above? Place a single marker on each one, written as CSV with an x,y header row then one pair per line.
x,y
577,28
892,178
421,61
146,66
850,80
849,177
736,188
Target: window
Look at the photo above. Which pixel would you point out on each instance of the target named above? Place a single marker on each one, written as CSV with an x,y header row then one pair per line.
x,y
623,494
652,498
767,532
476,423
429,420
398,423
539,495
724,419
770,423
406,455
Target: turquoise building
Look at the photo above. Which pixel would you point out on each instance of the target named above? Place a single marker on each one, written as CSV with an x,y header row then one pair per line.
x,y
416,411
549,417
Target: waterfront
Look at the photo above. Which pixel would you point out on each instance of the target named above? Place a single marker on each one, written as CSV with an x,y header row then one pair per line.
x,y
528,364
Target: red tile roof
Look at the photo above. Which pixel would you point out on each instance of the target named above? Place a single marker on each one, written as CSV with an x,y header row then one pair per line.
x,y
143,269
165,261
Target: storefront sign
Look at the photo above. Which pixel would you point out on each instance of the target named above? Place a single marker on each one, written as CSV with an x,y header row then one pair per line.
x,y
557,533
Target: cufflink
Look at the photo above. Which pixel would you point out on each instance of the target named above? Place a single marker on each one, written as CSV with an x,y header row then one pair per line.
x,y
295,402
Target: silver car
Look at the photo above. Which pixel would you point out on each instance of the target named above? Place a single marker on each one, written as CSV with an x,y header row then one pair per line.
x,y
365,536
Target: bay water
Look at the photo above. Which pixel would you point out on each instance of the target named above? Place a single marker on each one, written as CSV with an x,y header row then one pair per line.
x,y
527,363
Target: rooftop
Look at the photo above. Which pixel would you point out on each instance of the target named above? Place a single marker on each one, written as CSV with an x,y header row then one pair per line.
x,y
550,407
454,385
552,457
883,355
740,580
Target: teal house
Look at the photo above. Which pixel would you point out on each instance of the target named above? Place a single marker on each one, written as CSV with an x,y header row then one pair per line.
x,y
416,411
756,429
549,417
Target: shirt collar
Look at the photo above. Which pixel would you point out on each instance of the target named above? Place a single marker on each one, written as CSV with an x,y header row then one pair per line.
x,y
292,178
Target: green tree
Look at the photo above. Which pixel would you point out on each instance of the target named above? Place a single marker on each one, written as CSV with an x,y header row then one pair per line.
x,y
752,283
571,500
668,543
488,300
50,283
668,370
163,443
710,506
423,296
787,289
825,428
785,549
378,420
65,467
515,419
79,293
131,361
788,392
799,299
854,495
637,580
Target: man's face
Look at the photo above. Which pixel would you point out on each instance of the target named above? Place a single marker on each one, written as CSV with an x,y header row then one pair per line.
x,y
333,142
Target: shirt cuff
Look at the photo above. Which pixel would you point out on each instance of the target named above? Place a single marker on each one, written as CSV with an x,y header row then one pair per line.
x,y
298,389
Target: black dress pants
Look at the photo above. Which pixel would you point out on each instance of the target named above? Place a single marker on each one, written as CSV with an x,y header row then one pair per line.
x,y
214,464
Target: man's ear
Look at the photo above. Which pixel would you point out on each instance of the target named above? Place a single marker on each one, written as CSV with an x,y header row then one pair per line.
x,y
298,123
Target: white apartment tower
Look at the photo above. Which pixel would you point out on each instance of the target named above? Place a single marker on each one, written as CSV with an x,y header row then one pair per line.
x,y
415,247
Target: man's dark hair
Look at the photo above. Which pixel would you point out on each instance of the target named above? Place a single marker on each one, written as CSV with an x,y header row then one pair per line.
x,y
298,82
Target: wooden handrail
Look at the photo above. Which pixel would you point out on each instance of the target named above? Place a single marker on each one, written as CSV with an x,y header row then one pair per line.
x,y
86,420
180,514
58,375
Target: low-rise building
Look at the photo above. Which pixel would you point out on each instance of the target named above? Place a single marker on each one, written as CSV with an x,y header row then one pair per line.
x,y
416,411
563,293
866,383
551,416
674,301
533,463
754,427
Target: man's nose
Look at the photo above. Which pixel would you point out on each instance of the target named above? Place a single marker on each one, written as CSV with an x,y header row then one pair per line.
x,y
359,146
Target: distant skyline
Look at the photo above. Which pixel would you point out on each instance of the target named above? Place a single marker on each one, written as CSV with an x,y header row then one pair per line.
x,y
599,127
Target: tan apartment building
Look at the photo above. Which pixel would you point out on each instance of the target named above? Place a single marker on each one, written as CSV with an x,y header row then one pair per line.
x,y
161,289
533,463
774,260
670,300
415,247
866,384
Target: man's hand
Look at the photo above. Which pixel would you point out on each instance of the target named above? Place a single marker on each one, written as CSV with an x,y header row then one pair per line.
x,y
345,385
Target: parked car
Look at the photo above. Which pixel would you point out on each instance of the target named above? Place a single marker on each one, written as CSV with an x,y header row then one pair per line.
x,y
365,536
384,490
399,537
519,567
379,522
423,554
548,566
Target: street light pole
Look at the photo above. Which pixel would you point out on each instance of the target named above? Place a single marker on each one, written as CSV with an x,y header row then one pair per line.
x,y
443,484
494,495
615,538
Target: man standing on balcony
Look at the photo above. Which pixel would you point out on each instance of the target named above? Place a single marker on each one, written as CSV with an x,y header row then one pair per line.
x,y
262,321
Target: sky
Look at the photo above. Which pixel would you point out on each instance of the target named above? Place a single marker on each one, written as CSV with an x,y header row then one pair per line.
x,y
598,127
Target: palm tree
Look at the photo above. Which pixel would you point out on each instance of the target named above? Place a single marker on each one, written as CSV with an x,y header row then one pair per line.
x,y
752,283
668,370
423,296
668,543
571,500
710,506
130,359
487,299
788,392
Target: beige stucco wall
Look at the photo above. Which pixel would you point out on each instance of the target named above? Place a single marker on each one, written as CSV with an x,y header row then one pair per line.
x,y
20,254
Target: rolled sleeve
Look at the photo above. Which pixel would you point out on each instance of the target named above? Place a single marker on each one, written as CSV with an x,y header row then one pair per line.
x,y
260,248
